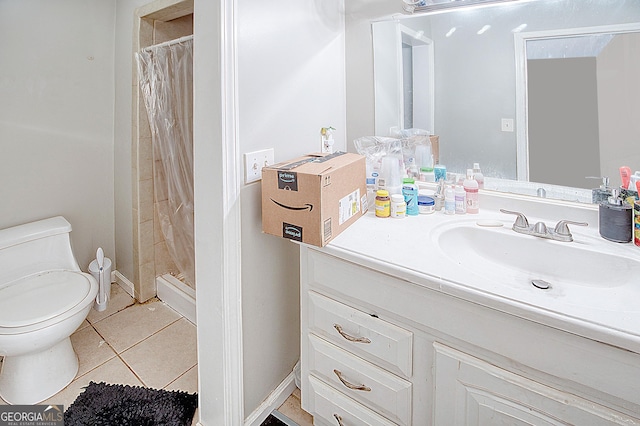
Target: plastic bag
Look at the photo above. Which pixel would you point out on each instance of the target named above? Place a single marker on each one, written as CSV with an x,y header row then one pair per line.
x,y
375,148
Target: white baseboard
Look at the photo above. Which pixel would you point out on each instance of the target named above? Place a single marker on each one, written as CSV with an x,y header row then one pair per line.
x,y
122,281
273,401
179,296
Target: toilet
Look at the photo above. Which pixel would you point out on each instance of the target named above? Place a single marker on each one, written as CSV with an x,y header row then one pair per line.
x,y
44,297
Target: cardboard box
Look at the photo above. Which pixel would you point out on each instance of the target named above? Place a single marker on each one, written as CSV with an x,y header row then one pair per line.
x,y
312,199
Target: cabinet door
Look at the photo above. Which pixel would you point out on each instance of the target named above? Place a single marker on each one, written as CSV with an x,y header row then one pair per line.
x,y
374,339
469,391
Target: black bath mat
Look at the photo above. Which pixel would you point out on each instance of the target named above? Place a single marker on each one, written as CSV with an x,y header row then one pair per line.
x,y
272,421
102,404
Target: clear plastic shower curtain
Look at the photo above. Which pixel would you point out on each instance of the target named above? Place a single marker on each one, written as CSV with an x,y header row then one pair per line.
x,y
165,76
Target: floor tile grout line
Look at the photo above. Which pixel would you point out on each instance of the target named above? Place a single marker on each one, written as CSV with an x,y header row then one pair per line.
x,y
118,354
181,375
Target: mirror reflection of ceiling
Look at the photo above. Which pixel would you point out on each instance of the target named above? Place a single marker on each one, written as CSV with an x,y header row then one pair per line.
x,y
568,47
418,6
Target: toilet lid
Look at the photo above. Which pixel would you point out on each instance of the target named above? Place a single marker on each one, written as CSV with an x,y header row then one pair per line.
x,y
40,297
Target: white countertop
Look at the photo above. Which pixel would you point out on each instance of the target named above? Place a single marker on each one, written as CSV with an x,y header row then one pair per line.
x,y
408,249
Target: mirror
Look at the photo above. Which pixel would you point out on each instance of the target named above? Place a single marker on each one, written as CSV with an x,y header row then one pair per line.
x,y
491,67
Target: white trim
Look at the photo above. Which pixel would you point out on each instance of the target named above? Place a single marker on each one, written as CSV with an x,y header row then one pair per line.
x,y
520,43
273,401
122,281
217,180
232,175
177,295
418,43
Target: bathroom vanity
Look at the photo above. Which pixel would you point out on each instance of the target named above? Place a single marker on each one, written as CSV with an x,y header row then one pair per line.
x,y
398,330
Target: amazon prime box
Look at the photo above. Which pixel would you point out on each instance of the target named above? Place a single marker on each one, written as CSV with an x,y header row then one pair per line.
x,y
312,199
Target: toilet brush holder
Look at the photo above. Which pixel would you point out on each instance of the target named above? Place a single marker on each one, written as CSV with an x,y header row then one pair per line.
x,y
102,299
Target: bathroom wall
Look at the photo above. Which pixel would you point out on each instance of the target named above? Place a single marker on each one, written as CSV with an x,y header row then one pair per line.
x,y
618,93
56,118
65,132
359,63
290,85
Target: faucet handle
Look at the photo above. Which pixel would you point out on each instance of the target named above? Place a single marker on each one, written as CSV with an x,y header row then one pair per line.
x,y
521,221
540,228
562,228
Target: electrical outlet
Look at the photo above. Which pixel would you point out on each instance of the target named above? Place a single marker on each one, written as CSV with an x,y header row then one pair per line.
x,y
254,162
507,124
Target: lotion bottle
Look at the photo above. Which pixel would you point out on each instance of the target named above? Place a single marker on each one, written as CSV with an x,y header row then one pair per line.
x,y
471,190
461,200
449,200
477,175
601,194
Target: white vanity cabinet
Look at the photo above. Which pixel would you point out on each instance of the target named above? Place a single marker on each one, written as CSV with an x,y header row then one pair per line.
x,y
381,350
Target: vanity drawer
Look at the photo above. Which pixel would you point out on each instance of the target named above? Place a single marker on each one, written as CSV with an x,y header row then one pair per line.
x,y
333,408
374,339
379,389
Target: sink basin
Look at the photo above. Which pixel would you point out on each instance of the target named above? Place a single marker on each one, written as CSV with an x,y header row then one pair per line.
x,y
504,256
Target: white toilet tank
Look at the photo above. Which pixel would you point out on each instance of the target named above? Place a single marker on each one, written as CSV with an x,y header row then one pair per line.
x,y
28,249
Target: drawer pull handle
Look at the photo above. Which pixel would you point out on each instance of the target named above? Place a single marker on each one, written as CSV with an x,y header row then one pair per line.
x,y
351,385
349,337
338,419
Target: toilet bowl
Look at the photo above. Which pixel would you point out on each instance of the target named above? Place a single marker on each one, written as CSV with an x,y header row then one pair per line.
x,y
44,298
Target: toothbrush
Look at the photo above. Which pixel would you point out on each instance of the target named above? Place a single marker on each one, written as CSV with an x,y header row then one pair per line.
x,y
625,176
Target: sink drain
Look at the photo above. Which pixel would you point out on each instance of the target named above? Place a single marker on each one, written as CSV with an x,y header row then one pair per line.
x,y
541,284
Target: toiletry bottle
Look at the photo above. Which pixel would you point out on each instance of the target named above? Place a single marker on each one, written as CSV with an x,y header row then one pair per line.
x,y
438,196
602,194
636,222
478,176
383,203
461,200
633,181
410,193
440,172
426,205
449,200
398,206
424,161
615,219
625,176
471,189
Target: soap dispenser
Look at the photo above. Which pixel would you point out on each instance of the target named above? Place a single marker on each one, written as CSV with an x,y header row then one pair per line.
x,y
602,194
615,219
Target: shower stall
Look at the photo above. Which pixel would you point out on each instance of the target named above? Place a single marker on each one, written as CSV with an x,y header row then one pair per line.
x,y
163,148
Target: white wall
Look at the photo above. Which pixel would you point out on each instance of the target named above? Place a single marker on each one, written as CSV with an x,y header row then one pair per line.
x,y
290,85
65,135
56,118
359,64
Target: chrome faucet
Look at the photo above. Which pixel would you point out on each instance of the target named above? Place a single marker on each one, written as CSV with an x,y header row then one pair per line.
x,y
559,233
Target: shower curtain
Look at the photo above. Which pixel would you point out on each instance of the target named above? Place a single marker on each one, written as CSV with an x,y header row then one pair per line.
x,y
165,77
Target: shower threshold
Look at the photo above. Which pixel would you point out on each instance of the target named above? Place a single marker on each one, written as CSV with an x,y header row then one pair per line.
x,y
177,295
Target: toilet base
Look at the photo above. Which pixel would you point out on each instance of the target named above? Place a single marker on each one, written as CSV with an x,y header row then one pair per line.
x,y
30,379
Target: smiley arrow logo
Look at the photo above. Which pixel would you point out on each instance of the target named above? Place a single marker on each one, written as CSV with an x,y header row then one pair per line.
x,y
307,206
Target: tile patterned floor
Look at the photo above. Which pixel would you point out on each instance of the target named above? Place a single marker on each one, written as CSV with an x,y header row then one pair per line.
x,y
291,408
146,344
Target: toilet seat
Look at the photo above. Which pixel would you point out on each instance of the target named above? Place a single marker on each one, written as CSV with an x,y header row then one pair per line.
x,y
39,298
